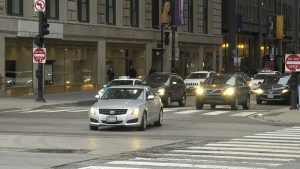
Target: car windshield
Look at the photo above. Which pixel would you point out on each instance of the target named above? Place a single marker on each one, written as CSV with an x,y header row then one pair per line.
x,y
217,80
197,76
283,80
156,81
124,93
120,82
271,80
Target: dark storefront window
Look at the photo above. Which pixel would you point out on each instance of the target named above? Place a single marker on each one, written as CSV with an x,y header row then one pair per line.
x,y
190,15
134,13
52,9
83,10
205,16
111,12
155,14
15,7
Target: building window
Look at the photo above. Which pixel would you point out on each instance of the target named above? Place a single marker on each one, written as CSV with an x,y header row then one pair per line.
x,y
155,14
52,9
15,7
205,16
134,13
111,12
83,10
190,15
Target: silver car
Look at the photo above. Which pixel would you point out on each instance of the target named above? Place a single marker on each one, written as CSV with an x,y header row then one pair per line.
x,y
132,106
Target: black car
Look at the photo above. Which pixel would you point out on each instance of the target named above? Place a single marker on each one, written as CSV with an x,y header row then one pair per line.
x,y
170,87
223,90
276,88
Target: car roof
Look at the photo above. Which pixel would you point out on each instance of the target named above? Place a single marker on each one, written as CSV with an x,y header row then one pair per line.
x,y
130,86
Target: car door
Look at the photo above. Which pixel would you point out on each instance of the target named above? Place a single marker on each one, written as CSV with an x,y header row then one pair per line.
x,y
150,104
243,89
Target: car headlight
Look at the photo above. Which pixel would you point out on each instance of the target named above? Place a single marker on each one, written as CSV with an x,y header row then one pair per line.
x,y
229,91
200,91
135,112
285,90
93,111
161,91
259,91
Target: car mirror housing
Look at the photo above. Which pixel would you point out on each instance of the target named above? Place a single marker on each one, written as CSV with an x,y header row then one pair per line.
x,y
150,97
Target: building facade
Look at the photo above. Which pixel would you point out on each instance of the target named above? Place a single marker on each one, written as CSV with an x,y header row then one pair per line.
x,y
88,36
249,30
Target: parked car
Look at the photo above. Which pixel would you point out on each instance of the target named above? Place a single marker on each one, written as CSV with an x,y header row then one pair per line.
x,y
195,78
132,106
223,90
259,78
170,86
123,80
274,89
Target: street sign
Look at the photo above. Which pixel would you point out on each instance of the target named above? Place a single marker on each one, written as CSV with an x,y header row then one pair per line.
x,y
39,5
292,62
39,55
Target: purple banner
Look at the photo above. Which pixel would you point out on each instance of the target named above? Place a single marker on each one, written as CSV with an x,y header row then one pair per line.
x,y
179,13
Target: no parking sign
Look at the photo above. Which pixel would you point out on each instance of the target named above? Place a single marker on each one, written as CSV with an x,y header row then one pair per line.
x,y
292,62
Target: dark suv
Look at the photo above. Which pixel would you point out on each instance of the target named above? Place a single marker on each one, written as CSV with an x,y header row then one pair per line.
x,y
170,87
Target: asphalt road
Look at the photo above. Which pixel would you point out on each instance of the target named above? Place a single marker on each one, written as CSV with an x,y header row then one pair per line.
x,y
59,137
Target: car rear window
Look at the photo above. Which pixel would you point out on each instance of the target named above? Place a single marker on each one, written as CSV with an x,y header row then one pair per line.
x,y
197,76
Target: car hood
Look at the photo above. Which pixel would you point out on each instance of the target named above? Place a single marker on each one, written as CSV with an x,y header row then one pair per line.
x,y
193,80
117,103
212,86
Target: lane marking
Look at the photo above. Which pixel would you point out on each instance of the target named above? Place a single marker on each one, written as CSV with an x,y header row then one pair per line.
x,y
282,135
259,143
244,114
214,113
271,137
265,140
106,167
188,112
253,146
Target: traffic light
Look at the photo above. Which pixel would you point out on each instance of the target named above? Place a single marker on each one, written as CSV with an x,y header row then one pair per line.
x,y
43,24
39,41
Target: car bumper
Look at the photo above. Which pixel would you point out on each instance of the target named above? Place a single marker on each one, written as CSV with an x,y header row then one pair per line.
x,y
121,120
215,99
273,97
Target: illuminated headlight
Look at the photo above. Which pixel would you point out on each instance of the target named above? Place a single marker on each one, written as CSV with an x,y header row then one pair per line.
x,y
161,91
135,112
200,91
285,90
93,111
229,91
259,91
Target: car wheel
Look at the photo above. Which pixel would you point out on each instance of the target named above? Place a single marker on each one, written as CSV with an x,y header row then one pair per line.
x,y
235,104
183,100
93,128
159,122
246,105
213,106
258,101
143,125
199,105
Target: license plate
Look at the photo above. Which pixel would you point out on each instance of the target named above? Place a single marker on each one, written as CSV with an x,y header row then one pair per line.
x,y
111,119
270,96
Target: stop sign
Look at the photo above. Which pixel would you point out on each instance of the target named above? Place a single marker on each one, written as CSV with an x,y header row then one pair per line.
x,y
292,62
39,55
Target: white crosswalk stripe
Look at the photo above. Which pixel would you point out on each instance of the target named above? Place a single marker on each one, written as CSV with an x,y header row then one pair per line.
x,y
262,150
188,112
213,113
104,167
244,114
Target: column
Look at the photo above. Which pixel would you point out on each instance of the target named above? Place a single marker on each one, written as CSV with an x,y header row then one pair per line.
x,y
214,66
2,63
142,13
201,57
93,12
101,62
119,13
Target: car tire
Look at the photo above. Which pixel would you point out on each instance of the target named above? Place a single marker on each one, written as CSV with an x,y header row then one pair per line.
x,y
246,105
93,128
258,101
168,102
235,104
159,122
143,125
199,105
213,106
182,102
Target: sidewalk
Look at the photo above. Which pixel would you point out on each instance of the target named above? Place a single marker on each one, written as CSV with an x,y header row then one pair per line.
x,y
283,115
26,102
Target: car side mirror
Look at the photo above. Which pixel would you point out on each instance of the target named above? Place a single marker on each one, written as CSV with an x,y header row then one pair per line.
x,y
150,97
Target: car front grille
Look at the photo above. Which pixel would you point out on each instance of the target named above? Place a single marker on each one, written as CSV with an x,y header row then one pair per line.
x,y
105,122
112,111
213,91
191,84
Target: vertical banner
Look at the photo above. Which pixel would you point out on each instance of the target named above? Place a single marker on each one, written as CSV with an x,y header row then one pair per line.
x,y
179,12
279,27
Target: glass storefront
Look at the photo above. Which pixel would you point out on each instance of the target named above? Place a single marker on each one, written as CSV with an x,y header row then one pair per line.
x,y
188,62
70,66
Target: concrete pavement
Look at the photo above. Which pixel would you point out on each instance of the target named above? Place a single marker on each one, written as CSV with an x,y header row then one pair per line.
x,y
283,115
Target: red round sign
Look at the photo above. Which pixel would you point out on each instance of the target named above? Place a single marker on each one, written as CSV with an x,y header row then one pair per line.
x,y
39,55
292,62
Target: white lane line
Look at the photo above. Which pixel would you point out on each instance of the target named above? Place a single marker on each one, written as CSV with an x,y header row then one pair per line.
x,y
272,150
273,137
238,153
167,110
296,127
281,135
244,114
188,112
14,110
144,163
202,161
34,111
105,167
81,107
253,146
226,157
284,132
260,143
265,140
289,129
214,113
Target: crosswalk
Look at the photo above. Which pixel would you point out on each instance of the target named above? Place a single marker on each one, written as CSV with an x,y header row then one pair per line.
x,y
173,110
259,151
